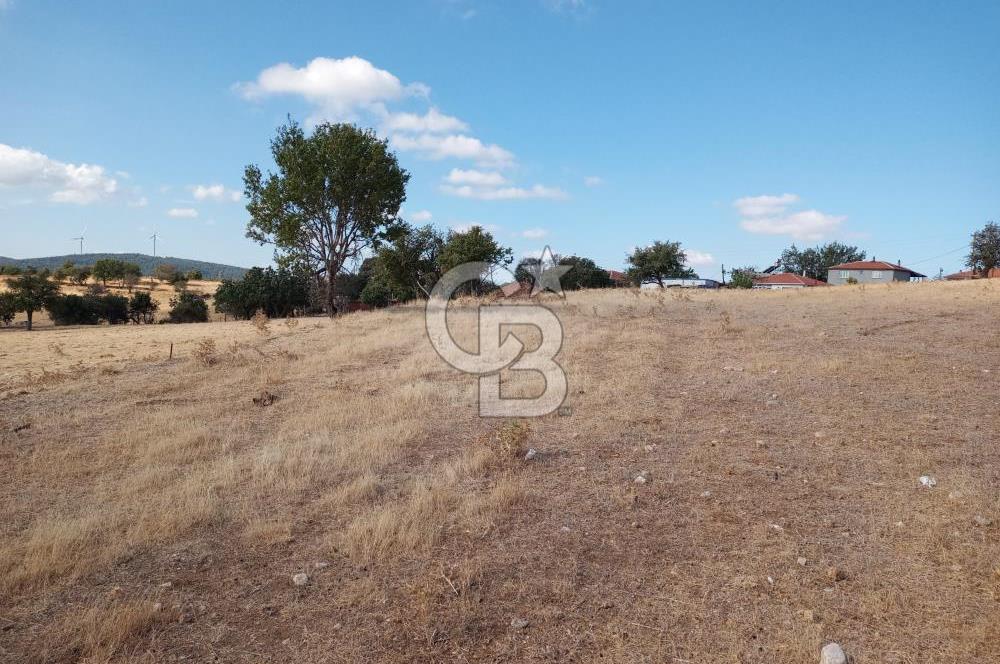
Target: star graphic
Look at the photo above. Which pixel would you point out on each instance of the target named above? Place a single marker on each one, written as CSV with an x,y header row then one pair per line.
x,y
546,274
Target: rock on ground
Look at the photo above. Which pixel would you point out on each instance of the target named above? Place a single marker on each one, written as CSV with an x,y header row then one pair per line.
x,y
832,653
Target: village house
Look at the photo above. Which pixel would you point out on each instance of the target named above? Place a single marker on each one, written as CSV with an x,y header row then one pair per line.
x,y
870,272
784,280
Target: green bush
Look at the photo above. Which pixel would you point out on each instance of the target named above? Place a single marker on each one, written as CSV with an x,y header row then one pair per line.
x,y
142,308
278,293
188,307
376,294
87,309
8,308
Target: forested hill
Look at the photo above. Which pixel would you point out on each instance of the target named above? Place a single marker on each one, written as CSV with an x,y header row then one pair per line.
x,y
146,262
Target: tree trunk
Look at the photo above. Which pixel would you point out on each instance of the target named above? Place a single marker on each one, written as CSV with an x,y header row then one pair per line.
x,y
331,291
29,312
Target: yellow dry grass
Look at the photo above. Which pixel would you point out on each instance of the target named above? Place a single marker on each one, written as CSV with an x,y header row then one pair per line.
x,y
158,508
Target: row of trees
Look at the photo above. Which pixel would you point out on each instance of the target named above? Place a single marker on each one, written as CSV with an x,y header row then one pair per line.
x,y
33,291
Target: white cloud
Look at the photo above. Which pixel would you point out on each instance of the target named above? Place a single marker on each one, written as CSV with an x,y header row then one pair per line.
x,y
353,89
454,146
421,216
762,206
215,192
431,122
474,177
80,184
140,202
593,181
768,215
337,86
182,213
504,193
699,258
534,233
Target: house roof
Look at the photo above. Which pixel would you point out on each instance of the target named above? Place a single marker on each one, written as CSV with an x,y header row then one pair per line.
x,y
514,288
788,279
617,277
876,265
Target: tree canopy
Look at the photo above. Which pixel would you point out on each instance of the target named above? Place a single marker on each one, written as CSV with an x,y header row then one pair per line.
x,y
984,250
408,266
276,292
659,261
32,291
584,272
336,194
817,261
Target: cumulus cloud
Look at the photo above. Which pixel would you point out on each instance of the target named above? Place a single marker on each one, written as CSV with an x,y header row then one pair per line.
x,y
504,193
454,146
593,181
421,216
769,215
534,233
182,213
140,202
215,192
432,122
474,177
764,206
79,184
354,89
699,258
338,87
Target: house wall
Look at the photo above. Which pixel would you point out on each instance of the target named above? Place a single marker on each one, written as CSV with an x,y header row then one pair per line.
x,y
777,286
836,277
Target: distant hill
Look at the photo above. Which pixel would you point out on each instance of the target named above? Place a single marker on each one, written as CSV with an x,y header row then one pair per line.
x,y
146,262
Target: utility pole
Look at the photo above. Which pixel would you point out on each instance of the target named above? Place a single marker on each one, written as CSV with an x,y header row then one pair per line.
x,y
723,274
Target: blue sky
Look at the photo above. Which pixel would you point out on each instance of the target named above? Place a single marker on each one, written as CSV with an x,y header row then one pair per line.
x,y
590,125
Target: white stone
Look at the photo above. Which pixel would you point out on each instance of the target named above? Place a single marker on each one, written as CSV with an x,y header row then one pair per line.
x,y
927,481
518,623
300,579
832,653
802,561
531,454
321,565
982,521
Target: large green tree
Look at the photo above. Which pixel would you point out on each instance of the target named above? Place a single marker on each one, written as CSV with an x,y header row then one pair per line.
x,y
984,251
336,194
659,261
817,261
32,291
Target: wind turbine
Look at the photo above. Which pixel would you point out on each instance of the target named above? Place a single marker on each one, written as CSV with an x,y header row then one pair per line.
x,y
81,238
153,238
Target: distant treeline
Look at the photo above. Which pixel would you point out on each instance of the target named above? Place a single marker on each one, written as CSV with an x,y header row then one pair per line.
x,y
146,263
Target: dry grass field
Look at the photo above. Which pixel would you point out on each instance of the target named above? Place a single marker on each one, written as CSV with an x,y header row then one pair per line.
x,y
156,510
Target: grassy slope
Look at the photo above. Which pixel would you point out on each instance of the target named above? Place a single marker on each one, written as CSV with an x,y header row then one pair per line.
x,y
772,426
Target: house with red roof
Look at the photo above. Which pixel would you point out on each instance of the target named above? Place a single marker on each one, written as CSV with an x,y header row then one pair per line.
x,y
870,272
784,280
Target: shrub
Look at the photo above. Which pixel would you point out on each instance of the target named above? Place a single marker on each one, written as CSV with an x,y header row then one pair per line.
x,y
74,310
376,293
278,293
87,309
142,308
8,309
188,307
